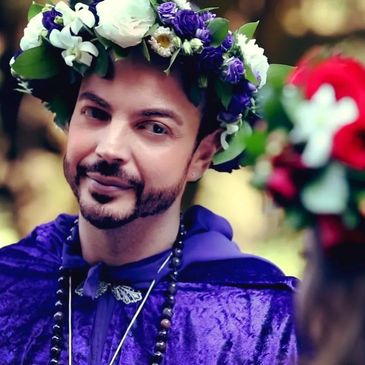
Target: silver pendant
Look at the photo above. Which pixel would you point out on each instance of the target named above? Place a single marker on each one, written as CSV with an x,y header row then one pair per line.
x,y
123,293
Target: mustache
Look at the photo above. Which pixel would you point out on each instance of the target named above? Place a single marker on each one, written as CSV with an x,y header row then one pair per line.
x,y
109,170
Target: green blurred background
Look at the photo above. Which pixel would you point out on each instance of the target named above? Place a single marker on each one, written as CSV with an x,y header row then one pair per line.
x,y
32,187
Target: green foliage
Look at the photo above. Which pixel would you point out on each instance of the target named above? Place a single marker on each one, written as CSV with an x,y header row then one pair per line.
x,y
255,146
237,145
224,92
172,60
218,27
269,97
36,63
102,61
248,29
61,110
34,10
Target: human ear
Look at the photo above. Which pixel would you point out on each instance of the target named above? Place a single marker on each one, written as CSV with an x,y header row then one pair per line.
x,y
203,155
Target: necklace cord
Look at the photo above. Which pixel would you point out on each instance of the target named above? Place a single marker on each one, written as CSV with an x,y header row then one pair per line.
x,y
70,320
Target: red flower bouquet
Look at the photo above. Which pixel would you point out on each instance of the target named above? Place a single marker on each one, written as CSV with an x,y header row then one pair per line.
x,y
312,155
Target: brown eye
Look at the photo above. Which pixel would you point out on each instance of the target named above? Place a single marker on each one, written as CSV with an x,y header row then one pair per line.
x,y
155,128
95,113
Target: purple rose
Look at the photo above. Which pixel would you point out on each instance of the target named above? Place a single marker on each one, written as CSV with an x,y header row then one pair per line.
x,y
186,23
228,42
239,103
207,16
211,59
204,35
167,12
49,18
233,70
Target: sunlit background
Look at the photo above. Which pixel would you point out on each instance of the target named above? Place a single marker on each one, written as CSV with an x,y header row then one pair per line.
x,y
32,187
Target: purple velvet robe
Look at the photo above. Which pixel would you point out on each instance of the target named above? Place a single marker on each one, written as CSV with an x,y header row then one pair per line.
x,y
231,308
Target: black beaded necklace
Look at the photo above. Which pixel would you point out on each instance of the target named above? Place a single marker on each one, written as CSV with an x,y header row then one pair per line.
x,y
64,281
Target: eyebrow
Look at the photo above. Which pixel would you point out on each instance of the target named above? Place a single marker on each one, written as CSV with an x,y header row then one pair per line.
x,y
162,113
87,95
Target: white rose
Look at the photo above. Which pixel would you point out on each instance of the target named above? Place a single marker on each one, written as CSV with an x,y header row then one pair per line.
x,y
33,33
124,22
254,57
182,4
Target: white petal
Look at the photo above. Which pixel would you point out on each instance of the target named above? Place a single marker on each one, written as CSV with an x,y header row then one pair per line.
x,y
86,59
55,39
328,194
89,47
69,58
87,17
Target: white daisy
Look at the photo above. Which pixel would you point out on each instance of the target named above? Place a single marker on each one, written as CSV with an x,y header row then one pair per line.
x,y
162,41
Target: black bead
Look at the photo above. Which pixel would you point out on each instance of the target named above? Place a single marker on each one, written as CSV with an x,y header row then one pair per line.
x,y
61,280
179,244
56,340
60,293
170,299
175,262
167,312
158,357
161,346
58,317
55,351
174,275
162,335
57,329
54,362
59,304
178,252
172,288
61,268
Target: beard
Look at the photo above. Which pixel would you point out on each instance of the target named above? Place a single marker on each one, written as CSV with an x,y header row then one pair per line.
x,y
147,202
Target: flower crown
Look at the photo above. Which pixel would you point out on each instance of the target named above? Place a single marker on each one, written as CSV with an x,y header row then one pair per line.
x,y
63,44
310,155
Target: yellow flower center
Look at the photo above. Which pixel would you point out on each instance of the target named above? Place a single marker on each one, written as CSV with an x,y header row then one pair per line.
x,y
164,41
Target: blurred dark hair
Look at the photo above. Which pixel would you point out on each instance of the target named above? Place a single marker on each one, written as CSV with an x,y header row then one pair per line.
x,y
332,306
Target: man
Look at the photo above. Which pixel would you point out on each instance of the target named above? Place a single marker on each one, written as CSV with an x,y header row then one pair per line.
x,y
129,281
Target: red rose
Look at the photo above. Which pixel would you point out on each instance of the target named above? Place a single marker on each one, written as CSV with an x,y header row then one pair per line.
x,y
346,75
349,145
286,177
332,232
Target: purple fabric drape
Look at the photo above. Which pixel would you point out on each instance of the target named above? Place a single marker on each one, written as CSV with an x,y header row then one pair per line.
x,y
231,308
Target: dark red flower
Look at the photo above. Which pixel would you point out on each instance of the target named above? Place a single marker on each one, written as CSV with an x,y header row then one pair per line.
x,y
332,232
287,177
349,145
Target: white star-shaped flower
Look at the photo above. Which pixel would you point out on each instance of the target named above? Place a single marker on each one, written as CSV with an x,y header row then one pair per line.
x,y
76,19
317,120
75,50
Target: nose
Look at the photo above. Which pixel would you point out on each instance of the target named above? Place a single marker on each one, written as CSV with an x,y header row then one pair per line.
x,y
114,142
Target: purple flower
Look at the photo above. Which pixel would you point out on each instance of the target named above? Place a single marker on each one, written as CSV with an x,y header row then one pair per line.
x,y
228,42
233,70
92,8
211,59
49,18
239,103
186,23
207,16
167,12
204,35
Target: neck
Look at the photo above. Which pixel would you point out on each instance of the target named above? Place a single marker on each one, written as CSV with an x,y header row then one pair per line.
x,y
141,238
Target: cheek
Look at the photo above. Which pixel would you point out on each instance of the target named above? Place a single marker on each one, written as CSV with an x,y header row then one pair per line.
x,y
79,144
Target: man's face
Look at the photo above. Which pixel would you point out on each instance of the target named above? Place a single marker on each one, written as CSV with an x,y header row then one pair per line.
x,y
130,145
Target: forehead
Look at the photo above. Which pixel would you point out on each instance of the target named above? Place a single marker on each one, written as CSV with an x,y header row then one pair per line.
x,y
141,83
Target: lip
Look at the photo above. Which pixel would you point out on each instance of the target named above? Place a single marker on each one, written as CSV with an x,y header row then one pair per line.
x,y
107,184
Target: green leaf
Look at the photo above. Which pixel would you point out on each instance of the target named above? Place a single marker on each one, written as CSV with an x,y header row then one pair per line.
x,y
277,75
34,10
224,92
36,63
208,9
269,101
145,51
248,29
172,60
237,145
102,61
255,146
61,110
218,27
154,3
250,76
196,94
120,53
